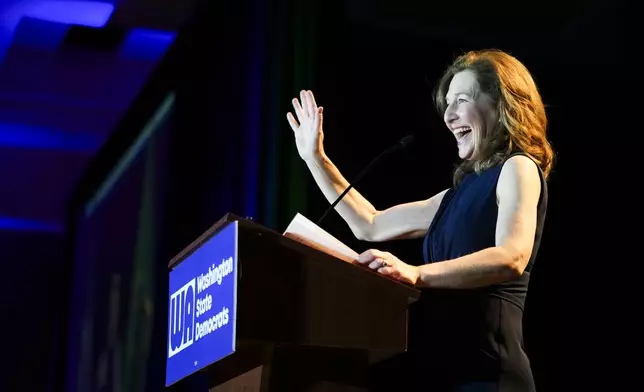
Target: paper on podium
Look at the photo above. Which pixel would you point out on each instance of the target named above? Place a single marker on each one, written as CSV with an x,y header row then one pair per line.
x,y
303,230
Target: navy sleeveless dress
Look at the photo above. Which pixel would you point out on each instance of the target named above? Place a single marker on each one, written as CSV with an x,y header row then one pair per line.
x,y
471,340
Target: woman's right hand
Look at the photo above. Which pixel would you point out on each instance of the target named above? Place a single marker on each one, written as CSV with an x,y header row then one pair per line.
x,y
308,126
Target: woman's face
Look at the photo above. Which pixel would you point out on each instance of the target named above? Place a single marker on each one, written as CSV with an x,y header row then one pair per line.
x,y
470,113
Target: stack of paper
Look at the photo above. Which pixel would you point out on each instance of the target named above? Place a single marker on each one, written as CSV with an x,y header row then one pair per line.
x,y
303,230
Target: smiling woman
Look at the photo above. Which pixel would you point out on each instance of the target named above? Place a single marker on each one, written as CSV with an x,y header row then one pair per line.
x,y
481,235
468,109
496,93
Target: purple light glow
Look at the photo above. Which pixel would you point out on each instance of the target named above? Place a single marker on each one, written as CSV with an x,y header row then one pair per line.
x,y
23,136
18,224
85,13
38,33
147,44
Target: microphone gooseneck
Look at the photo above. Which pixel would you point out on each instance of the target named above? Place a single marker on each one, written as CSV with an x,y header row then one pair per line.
x,y
403,143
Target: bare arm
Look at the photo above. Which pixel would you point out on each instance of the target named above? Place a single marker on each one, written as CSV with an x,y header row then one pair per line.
x,y
408,220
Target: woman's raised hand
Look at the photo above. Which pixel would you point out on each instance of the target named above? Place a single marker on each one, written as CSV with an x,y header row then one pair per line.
x,y
308,126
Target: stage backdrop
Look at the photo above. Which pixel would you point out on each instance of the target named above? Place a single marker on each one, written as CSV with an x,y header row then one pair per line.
x,y
117,269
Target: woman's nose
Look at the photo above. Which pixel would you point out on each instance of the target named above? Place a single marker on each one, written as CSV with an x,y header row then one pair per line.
x,y
450,115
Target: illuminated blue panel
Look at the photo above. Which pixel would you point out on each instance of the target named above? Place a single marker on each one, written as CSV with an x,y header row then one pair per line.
x,y
37,33
23,136
147,44
85,13
15,224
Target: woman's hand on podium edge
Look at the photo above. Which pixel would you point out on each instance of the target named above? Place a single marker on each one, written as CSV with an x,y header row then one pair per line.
x,y
308,126
389,265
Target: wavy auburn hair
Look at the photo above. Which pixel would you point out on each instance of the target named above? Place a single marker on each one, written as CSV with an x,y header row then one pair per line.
x,y
522,121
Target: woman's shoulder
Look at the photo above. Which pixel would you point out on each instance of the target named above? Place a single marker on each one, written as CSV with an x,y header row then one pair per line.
x,y
521,165
521,175
520,158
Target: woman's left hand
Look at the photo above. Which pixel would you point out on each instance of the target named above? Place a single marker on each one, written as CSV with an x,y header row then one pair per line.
x,y
389,265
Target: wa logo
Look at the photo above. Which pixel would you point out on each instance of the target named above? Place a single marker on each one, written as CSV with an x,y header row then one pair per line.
x,y
181,331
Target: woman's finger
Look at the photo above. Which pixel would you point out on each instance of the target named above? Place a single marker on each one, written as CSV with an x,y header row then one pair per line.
x,y
317,119
306,104
378,263
375,265
387,271
292,121
366,257
314,106
299,112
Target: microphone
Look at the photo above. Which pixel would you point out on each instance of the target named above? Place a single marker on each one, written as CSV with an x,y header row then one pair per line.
x,y
404,142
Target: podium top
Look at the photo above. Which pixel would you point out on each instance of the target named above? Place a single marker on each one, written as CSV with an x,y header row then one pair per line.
x,y
249,226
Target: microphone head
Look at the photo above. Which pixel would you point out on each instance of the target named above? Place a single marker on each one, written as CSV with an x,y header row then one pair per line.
x,y
404,142
407,140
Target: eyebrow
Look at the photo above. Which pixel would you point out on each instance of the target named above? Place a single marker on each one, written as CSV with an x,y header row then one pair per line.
x,y
459,93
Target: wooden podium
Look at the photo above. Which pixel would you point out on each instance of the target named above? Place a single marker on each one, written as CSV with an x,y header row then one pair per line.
x,y
306,321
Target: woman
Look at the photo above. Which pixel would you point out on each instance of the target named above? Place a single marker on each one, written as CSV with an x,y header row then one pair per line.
x,y
481,235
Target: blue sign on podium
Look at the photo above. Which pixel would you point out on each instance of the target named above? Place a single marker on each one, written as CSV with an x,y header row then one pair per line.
x,y
203,306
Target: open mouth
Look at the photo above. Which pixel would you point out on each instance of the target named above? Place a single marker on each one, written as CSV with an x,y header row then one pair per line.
x,y
462,132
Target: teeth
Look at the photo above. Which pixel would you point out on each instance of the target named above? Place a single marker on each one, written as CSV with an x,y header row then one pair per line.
x,y
460,131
